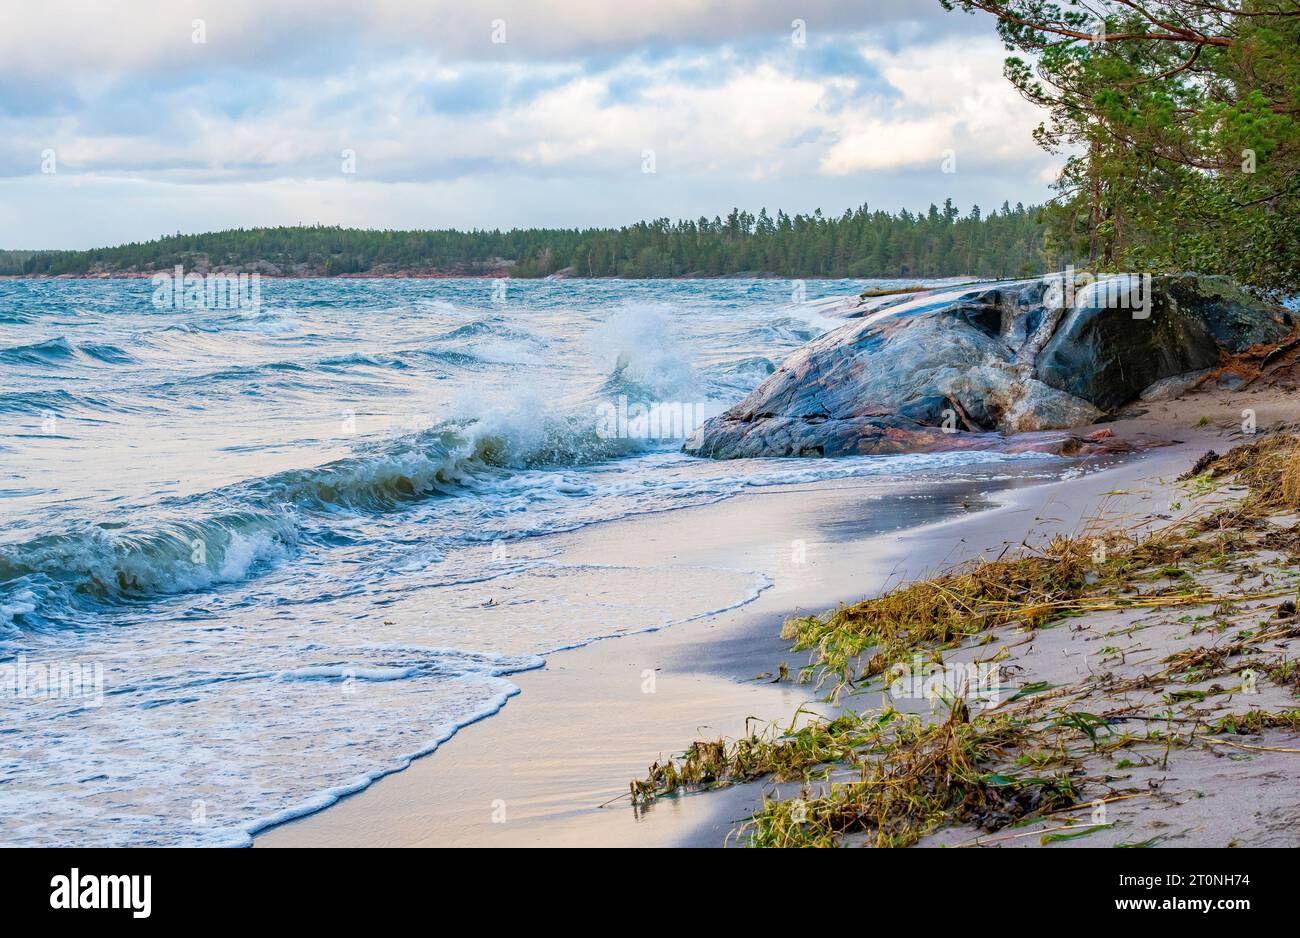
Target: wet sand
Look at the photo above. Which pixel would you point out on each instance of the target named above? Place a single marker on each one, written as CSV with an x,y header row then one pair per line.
x,y
552,768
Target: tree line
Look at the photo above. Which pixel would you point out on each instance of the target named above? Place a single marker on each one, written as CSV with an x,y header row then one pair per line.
x,y
860,243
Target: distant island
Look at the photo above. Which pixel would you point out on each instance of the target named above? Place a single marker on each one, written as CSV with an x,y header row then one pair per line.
x,y
862,243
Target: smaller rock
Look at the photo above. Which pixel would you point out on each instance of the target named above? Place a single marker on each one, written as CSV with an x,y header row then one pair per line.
x,y
1168,389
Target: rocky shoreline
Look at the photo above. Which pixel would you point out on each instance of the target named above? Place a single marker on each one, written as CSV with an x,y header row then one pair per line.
x,y
1004,366
1123,675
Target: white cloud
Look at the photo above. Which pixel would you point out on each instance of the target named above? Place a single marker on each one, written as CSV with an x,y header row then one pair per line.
x,y
443,139
148,35
951,96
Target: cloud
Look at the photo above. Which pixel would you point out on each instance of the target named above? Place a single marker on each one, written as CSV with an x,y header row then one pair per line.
x,y
412,118
155,36
551,127
950,98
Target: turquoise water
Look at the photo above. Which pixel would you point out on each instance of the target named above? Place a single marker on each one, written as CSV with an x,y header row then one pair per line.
x,y
265,536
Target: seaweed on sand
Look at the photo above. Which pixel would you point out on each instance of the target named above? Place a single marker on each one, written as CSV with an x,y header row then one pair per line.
x,y
928,776
1072,575
891,779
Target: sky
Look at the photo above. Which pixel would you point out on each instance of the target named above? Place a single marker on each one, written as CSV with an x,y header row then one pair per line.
x,y
129,120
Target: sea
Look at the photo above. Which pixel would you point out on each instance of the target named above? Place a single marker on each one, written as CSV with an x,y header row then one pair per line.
x,y
250,553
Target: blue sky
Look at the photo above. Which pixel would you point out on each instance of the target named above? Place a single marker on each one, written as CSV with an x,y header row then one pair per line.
x,y
164,115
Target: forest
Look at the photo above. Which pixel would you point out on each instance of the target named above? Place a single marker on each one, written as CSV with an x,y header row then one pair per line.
x,y
939,242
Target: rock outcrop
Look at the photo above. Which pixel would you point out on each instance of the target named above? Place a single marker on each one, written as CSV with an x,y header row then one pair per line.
x,y
964,367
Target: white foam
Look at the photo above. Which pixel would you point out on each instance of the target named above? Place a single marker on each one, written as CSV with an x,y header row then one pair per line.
x,y
503,352
270,746
348,672
21,602
638,345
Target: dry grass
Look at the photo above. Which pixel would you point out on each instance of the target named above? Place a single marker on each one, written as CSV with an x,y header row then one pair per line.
x,y
1290,479
931,775
1071,576
909,777
784,755
1256,721
1269,468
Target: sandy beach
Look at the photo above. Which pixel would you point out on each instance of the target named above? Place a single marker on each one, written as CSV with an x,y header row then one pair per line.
x,y
553,767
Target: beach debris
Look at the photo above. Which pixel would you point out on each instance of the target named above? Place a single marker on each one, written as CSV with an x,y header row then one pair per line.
x,y
887,778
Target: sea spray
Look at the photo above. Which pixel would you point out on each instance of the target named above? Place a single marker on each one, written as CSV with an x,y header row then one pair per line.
x,y
640,351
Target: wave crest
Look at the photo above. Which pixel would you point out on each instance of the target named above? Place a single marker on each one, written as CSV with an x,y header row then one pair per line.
x,y
59,351
48,580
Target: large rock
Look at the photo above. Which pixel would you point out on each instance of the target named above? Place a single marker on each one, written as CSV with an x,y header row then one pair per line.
x,y
957,368
1111,345
1235,319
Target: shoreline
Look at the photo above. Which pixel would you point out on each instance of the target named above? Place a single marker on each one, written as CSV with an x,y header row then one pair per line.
x,y
501,275
1132,681
567,756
